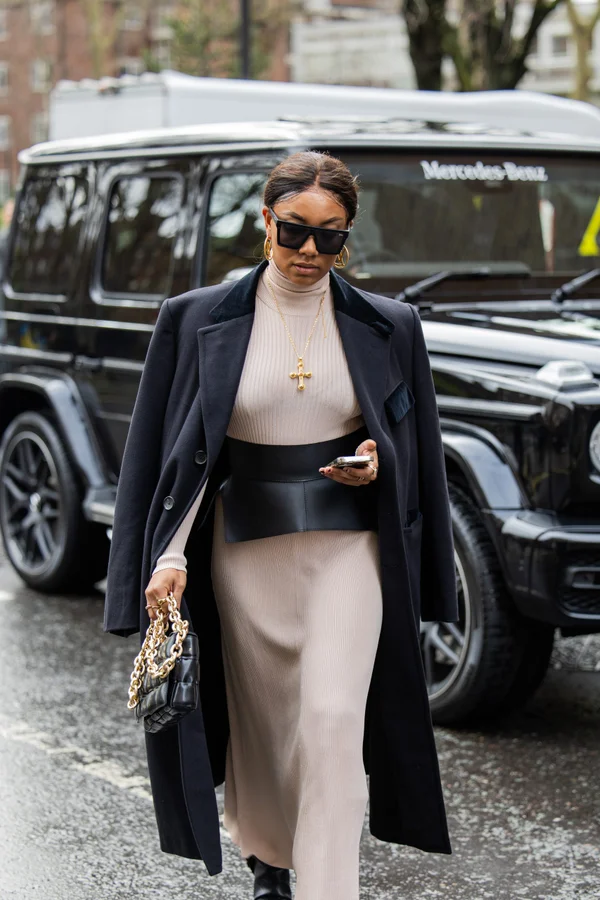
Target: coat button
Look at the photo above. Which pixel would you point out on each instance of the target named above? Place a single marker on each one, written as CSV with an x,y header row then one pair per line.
x,y
200,457
168,503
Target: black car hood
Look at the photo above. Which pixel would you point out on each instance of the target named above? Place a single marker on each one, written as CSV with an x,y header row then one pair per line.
x,y
530,336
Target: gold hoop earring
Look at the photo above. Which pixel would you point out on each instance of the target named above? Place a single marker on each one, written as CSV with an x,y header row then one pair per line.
x,y
268,248
342,258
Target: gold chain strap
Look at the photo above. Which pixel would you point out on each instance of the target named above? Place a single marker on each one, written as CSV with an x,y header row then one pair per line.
x,y
285,324
145,661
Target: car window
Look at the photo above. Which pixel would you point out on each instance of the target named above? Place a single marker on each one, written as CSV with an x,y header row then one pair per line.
x,y
50,216
236,230
142,224
418,215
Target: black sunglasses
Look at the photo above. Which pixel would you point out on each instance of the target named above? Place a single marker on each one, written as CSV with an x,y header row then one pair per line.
x,y
293,236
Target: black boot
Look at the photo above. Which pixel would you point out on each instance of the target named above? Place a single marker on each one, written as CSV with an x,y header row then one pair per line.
x,y
270,883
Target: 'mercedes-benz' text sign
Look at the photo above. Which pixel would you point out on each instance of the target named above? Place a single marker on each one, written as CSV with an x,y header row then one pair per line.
x,y
479,171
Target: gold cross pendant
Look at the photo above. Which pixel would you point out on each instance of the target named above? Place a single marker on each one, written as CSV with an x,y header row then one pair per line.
x,y
301,374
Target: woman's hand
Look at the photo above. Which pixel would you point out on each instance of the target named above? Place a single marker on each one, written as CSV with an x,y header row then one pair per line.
x,y
356,477
161,584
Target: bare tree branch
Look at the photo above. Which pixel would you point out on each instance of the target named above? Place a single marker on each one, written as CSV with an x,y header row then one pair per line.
x,y
427,27
482,44
583,34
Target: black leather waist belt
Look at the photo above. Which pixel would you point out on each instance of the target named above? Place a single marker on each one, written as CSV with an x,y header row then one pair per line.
x,y
277,489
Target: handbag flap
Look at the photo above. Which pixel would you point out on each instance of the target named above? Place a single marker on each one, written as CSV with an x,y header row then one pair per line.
x,y
153,699
157,693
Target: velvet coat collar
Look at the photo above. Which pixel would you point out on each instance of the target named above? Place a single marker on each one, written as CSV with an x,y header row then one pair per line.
x,y
240,301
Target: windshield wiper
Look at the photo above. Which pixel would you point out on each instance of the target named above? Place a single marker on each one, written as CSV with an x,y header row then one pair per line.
x,y
571,287
415,291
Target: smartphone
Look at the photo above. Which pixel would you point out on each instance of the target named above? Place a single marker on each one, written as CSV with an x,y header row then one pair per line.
x,y
355,462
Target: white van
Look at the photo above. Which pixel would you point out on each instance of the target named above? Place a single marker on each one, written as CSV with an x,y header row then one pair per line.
x,y
170,99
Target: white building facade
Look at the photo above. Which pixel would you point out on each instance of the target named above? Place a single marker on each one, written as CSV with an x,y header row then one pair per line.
x,y
366,44
552,65
362,44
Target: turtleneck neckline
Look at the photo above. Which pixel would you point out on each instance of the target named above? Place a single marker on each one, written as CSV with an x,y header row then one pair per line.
x,y
293,299
279,280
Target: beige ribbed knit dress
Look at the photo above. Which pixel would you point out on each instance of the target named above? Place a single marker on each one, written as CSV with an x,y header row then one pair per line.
x,y
300,621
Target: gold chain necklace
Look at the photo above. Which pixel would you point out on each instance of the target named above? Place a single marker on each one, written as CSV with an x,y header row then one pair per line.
x,y
300,374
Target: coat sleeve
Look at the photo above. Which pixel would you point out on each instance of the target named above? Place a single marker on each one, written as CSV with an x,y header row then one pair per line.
x,y
438,578
138,478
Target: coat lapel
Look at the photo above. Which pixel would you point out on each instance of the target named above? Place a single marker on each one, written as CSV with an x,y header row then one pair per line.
x,y
365,334
222,350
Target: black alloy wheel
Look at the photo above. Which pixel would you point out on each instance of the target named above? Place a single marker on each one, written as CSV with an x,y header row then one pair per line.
x,y
492,659
44,534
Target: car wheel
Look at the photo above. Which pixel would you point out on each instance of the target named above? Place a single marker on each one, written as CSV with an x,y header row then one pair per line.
x,y
480,665
539,643
43,531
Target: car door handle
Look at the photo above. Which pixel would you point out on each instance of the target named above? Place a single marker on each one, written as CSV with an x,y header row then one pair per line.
x,y
48,309
87,363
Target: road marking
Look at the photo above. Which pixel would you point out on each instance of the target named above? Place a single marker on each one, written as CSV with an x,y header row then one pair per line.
x,y
115,774
5,596
83,761
108,770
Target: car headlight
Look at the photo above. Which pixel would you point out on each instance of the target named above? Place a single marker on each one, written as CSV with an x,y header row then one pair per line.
x,y
595,446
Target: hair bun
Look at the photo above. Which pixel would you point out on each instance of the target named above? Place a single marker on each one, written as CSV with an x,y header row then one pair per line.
x,y
303,170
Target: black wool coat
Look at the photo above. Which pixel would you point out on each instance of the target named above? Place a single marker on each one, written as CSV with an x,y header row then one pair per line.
x,y
184,404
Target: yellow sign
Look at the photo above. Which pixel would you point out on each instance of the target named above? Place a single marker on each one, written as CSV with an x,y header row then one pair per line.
x,y
589,241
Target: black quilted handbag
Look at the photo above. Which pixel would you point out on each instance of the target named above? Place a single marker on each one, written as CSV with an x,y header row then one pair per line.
x,y
166,673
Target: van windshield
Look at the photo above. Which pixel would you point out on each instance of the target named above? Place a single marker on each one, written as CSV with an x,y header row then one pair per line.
x,y
422,213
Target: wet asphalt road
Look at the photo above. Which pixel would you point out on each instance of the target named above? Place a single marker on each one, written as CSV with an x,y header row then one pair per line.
x,y
77,822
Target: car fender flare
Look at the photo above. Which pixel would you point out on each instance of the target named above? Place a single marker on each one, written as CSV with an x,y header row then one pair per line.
x,y
485,464
62,396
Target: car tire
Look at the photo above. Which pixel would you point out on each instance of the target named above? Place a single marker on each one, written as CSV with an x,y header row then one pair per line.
x,y
538,646
46,539
480,666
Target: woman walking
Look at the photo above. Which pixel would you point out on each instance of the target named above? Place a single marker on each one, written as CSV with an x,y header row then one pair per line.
x,y
304,581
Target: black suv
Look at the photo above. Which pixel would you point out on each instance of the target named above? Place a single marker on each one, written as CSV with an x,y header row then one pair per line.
x,y
481,227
